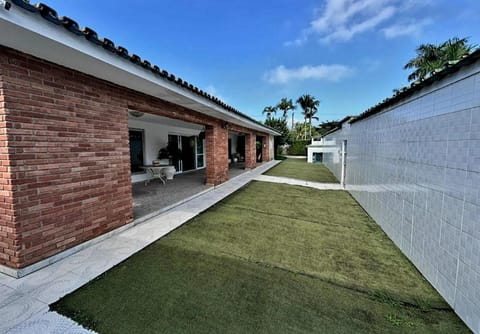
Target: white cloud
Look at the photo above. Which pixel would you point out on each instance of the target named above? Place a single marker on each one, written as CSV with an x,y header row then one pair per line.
x,y
282,75
342,20
405,29
346,33
299,41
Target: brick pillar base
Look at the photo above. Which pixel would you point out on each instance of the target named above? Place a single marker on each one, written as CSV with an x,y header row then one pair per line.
x,y
216,139
250,151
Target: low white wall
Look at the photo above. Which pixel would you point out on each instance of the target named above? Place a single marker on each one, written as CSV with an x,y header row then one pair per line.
x,y
323,141
416,170
329,152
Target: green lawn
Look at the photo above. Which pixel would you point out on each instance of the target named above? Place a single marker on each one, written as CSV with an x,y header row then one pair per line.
x,y
300,169
252,264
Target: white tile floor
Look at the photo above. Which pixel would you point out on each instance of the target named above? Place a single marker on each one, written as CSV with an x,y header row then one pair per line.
x,y
24,301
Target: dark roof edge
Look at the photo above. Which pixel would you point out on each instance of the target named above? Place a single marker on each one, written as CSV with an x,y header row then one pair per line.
x,y
50,15
416,86
330,132
348,119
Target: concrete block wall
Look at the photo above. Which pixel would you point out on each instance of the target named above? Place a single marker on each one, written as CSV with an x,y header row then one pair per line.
x,y
416,170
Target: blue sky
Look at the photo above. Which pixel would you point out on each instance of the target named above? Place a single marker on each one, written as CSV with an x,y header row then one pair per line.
x,y
349,54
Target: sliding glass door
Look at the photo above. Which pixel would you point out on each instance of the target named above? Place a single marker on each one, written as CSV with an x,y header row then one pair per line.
x,y
200,151
190,152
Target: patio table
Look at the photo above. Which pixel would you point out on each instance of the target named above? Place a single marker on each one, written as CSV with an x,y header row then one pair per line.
x,y
156,172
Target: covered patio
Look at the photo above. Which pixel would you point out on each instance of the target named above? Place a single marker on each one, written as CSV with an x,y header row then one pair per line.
x,y
151,134
151,199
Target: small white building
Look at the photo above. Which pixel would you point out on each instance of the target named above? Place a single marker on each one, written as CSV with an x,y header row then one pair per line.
x,y
321,147
318,148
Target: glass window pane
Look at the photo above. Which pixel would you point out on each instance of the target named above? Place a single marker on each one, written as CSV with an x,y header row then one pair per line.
x,y
136,150
199,146
199,161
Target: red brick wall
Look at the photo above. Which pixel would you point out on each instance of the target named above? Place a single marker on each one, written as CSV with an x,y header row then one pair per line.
x,y
9,238
64,156
68,158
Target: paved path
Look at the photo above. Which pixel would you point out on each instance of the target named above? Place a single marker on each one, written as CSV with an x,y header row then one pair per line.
x,y
296,157
24,301
296,182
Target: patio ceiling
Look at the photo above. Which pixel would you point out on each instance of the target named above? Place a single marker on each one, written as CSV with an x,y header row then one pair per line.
x,y
166,121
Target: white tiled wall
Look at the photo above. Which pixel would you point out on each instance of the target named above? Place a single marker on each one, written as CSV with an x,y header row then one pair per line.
x,y
416,170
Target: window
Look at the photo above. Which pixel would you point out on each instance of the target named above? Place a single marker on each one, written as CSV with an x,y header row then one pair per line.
x,y
136,150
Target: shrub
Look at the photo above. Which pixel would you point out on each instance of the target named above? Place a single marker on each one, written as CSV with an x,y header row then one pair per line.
x,y
298,147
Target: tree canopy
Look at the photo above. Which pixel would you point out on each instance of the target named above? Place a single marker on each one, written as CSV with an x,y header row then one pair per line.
x,y
327,126
433,57
309,104
269,110
285,106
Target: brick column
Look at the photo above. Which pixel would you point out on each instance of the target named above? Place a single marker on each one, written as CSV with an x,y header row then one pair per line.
x,y
265,149
216,139
10,240
250,151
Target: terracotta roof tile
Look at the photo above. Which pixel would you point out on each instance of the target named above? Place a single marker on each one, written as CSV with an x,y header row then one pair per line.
x,y
91,36
49,14
26,5
71,26
108,45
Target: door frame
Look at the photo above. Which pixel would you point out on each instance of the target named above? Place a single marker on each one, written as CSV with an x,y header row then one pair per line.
x,y
344,163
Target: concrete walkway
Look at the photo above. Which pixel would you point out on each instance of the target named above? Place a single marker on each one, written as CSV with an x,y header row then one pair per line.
x,y
296,182
24,301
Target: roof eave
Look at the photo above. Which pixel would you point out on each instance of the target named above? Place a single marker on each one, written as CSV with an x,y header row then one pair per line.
x,y
32,34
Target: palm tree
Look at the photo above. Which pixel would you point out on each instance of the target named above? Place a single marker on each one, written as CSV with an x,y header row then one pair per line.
x,y
426,60
431,57
285,105
311,116
269,110
456,48
309,104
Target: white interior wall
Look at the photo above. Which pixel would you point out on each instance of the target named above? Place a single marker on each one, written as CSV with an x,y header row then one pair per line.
x,y
234,140
271,147
156,137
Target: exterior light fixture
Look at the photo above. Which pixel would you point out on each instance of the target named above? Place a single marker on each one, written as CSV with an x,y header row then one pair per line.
x,y
135,113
